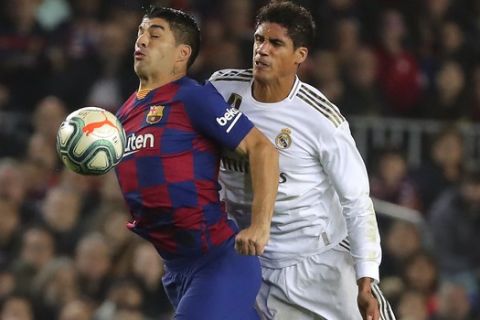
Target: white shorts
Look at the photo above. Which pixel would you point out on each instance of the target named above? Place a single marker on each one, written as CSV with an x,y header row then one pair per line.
x,y
320,287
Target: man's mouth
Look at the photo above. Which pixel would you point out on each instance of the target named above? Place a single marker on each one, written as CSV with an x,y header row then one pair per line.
x,y
261,64
139,54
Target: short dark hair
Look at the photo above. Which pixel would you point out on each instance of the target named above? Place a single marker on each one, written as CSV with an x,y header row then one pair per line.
x,y
296,19
185,29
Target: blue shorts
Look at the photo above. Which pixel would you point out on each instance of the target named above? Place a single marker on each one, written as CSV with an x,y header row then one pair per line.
x,y
222,285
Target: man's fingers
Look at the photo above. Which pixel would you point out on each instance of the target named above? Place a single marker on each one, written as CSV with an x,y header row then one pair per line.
x,y
373,313
259,249
239,246
242,246
251,248
248,247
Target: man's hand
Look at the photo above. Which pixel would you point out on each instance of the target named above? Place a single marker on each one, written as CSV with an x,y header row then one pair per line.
x,y
252,240
367,303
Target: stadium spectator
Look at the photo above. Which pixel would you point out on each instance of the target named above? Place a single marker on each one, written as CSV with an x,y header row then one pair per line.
x,y
55,286
390,181
47,116
412,306
112,60
12,184
326,75
454,303
420,274
23,47
347,41
455,221
61,213
450,101
362,93
7,283
17,307
402,240
9,230
76,310
148,269
398,69
93,263
443,167
124,295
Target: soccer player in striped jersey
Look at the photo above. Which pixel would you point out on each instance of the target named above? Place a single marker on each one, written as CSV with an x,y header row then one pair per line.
x,y
175,131
322,260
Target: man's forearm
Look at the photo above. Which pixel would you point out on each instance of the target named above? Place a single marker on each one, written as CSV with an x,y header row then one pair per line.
x,y
264,172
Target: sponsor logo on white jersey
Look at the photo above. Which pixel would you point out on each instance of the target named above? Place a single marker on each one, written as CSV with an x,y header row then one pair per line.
x,y
136,143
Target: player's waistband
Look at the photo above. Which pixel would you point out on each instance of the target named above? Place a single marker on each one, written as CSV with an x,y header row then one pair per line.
x,y
277,260
186,264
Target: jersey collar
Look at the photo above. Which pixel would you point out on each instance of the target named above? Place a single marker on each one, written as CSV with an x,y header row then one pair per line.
x,y
291,95
295,88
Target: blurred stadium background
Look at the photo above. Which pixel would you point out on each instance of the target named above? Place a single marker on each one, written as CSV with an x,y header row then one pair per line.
x,y
406,74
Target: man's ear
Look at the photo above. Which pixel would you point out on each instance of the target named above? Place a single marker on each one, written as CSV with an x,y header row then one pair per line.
x,y
301,54
184,52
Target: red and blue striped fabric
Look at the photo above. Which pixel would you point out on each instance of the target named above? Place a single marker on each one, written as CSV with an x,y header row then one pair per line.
x,y
169,172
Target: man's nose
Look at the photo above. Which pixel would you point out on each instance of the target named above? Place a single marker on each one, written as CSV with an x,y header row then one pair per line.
x,y
142,40
263,48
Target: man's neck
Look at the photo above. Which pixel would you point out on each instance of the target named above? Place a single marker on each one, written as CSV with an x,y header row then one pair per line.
x,y
273,91
150,83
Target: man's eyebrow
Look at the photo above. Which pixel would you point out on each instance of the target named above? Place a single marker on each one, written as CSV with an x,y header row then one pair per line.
x,y
157,26
276,40
271,40
152,26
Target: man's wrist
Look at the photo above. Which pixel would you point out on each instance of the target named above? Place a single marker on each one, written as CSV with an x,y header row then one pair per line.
x,y
364,284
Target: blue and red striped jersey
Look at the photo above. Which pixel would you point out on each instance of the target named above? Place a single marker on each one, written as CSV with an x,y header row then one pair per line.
x,y
169,172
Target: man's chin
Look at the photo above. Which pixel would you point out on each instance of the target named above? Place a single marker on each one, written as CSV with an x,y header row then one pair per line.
x,y
139,68
260,75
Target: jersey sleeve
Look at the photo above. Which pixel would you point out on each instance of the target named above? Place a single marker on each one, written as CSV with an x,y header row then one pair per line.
x,y
346,169
212,116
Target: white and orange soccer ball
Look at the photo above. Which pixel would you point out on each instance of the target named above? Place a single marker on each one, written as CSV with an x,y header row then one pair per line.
x,y
91,141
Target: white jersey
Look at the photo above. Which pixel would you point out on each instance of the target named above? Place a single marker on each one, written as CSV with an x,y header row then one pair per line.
x,y
323,194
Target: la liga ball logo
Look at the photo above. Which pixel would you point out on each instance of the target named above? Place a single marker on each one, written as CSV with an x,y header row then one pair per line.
x,y
89,128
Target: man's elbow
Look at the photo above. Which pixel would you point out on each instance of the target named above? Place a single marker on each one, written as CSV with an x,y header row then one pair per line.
x,y
270,156
257,142
264,146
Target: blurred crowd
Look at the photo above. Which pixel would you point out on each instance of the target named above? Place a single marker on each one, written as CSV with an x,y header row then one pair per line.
x,y
65,252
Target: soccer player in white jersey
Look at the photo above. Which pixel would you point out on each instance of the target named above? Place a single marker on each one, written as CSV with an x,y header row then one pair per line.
x,y
323,257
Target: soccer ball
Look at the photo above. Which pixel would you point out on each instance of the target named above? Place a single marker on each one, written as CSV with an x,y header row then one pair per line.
x,y
90,141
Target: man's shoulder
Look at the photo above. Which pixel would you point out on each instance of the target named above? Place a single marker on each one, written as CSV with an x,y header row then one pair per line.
x,y
318,105
191,91
240,75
